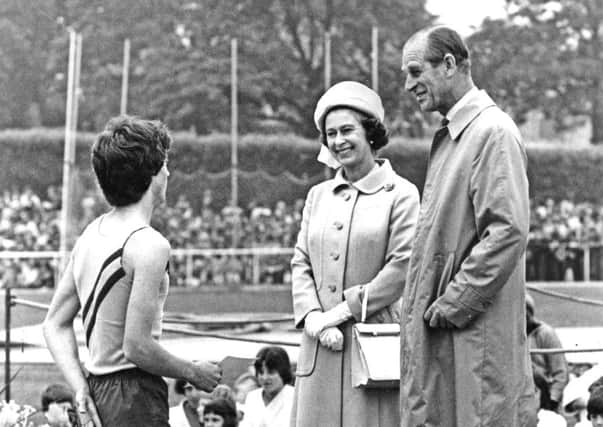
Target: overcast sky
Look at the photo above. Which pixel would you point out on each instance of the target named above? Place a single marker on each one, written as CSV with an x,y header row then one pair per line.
x,y
465,14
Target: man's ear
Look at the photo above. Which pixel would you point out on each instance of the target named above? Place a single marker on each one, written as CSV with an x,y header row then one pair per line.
x,y
450,63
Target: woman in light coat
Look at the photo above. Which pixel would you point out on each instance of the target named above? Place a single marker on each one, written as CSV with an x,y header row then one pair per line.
x,y
355,236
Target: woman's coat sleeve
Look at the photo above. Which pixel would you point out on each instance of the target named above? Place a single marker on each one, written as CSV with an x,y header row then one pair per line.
x,y
303,286
388,284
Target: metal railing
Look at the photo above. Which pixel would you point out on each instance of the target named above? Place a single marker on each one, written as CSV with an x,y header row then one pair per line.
x,y
256,254
583,251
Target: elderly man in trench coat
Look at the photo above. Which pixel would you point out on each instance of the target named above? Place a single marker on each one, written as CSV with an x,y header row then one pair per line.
x,y
464,357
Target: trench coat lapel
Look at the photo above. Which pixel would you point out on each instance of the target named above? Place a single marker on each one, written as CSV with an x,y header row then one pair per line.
x,y
474,106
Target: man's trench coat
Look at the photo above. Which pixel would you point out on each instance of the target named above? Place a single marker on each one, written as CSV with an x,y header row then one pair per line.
x,y
352,237
468,255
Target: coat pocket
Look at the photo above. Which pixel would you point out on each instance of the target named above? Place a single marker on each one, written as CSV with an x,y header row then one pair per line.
x,y
307,356
444,264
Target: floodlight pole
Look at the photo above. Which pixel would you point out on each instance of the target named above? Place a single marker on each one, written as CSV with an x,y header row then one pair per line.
x,y
69,148
234,136
7,345
375,58
234,124
327,59
125,74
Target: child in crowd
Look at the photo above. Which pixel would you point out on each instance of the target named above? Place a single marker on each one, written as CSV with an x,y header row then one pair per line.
x,y
57,408
220,413
594,407
244,383
270,405
187,412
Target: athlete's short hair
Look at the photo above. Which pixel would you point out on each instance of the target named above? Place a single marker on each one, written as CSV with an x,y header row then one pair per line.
x,y
126,155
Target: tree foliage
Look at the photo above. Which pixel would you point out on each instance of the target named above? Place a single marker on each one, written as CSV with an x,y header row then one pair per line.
x,y
31,62
546,56
180,64
280,59
549,56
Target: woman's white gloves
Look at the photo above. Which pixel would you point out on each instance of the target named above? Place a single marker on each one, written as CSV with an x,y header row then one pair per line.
x,y
321,325
313,323
332,338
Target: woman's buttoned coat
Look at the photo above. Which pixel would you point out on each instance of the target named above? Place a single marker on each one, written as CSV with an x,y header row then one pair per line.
x,y
468,260
352,236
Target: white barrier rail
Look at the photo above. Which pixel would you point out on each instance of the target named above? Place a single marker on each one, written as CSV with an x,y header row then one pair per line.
x,y
586,250
257,253
175,252
189,254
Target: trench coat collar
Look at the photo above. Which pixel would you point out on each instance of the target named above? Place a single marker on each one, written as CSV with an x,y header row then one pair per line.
x,y
378,178
476,102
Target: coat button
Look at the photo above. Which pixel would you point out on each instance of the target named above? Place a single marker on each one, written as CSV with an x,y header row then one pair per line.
x,y
346,197
332,288
335,255
338,225
388,187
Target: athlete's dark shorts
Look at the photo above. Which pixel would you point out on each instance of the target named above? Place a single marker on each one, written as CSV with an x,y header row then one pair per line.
x,y
130,398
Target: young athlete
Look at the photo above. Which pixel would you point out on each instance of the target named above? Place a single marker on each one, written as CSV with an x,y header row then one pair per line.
x,y
118,276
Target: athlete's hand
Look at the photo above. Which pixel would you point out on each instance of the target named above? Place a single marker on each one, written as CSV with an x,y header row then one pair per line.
x,y
206,375
86,409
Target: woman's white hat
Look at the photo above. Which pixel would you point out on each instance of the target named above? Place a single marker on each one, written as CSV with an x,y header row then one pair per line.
x,y
349,94
346,94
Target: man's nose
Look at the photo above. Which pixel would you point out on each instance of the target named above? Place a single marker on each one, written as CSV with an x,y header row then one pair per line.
x,y
409,83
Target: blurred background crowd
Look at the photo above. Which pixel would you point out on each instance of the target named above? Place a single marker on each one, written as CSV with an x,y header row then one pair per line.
x,y
559,233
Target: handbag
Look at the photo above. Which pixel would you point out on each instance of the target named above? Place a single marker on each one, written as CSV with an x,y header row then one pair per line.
x,y
375,352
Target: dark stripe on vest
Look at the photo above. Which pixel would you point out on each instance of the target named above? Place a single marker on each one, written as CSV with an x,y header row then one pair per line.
x,y
108,261
111,281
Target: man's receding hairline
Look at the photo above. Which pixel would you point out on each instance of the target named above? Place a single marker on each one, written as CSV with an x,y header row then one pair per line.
x,y
416,42
420,37
423,35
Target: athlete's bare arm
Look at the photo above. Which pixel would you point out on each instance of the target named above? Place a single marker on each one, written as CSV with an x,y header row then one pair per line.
x,y
61,341
145,256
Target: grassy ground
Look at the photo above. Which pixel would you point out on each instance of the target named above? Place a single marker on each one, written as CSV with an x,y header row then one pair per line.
x,y
34,377
555,311
565,313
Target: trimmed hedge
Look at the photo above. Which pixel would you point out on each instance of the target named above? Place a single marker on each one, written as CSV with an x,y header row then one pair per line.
x,y
274,167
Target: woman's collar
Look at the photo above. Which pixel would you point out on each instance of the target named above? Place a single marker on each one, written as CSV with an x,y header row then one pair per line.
x,y
378,178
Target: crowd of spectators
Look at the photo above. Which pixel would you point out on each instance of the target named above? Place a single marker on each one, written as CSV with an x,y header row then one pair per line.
x,y
30,222
254,227
558,234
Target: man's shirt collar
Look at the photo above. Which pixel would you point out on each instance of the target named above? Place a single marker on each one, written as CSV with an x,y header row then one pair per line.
x,y
461,102
466,109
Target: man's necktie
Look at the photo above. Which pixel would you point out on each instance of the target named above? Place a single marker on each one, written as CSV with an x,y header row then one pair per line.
x,y
442,131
